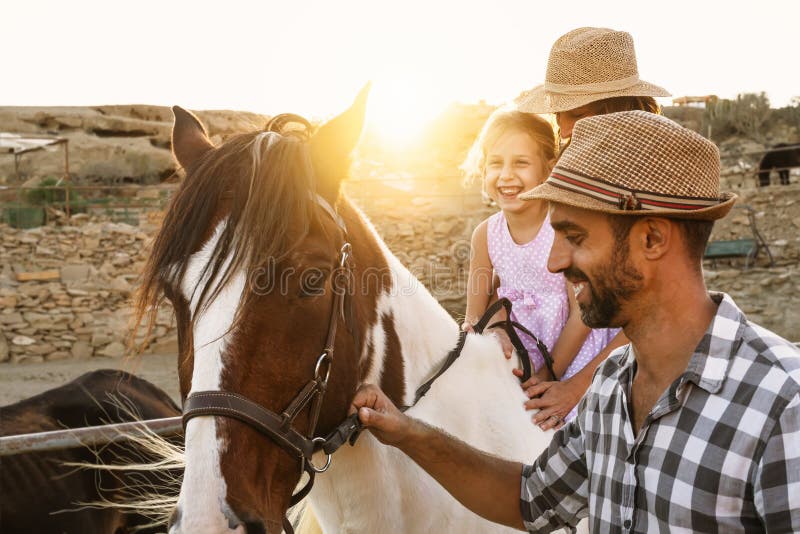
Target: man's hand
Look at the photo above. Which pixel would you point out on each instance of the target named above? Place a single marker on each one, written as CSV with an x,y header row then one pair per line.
x,y
380,415
487,485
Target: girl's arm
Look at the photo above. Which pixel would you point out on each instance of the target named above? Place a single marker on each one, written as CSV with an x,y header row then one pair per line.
x,y
571,339
500,333
482,287
479,283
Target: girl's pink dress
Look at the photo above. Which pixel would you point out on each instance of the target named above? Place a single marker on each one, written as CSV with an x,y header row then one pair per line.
x,y
539,297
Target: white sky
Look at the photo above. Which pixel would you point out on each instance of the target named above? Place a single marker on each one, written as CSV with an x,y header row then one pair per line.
x,y
311,57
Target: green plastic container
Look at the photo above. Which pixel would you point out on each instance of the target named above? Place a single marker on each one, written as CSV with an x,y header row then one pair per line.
x,y
23,216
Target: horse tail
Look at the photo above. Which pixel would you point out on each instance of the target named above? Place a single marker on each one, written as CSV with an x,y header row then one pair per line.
x,y
149,469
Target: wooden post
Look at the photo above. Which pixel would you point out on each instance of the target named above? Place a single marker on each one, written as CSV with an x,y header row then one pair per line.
x,y
66,175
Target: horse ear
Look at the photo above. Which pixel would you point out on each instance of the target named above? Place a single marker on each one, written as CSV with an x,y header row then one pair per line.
x,y
335,140
189,138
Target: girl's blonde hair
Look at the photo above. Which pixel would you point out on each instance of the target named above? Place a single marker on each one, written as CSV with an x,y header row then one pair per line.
x,y
500,123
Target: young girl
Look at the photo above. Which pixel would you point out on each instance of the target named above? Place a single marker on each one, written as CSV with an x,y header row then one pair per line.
x,y
514,153
590,71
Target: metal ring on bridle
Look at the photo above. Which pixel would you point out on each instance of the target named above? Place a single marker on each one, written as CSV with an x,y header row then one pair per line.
x,y
344,253
324,357
325,467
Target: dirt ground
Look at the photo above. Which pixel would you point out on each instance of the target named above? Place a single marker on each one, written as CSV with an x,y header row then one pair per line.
x,y
19,381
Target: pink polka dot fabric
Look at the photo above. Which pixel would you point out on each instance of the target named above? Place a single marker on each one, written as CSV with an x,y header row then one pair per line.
x,y
539,297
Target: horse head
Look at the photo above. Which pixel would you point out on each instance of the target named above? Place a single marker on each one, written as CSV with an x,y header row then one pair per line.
x,y
262,260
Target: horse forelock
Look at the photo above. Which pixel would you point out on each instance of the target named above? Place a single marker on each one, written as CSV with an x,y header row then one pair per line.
x,y
258,186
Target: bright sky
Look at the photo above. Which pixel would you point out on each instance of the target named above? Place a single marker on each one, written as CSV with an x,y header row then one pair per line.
x,y
312,56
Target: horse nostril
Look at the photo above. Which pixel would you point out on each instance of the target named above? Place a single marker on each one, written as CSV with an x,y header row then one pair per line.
x,y
174,519
256,527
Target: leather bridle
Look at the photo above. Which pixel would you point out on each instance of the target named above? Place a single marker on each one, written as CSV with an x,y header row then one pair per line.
x,y
279,427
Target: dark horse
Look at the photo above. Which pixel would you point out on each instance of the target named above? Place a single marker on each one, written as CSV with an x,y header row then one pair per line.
x,y
781,157
41,493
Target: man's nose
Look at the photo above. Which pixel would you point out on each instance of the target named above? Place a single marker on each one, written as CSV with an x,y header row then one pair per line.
x,y
559,259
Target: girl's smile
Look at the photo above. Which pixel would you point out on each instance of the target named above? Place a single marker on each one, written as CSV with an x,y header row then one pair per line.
x,y
513,165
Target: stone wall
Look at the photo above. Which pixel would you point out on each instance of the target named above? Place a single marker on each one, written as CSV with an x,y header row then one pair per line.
x,y
83,308
432,238
80,305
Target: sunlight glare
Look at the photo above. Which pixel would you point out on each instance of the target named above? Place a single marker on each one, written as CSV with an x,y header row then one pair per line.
x,y
400,108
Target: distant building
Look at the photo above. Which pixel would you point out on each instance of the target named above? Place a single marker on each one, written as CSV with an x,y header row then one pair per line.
x,y
694,101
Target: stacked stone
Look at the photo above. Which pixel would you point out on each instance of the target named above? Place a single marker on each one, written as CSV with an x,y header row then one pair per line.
x,y
768,296
80,306
777,213
84,310
433,241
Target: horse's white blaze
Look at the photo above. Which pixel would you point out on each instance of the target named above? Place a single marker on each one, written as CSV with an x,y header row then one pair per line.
x,y
202,497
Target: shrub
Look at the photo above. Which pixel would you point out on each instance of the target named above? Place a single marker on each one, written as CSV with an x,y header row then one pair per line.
x,y
744,116
52,192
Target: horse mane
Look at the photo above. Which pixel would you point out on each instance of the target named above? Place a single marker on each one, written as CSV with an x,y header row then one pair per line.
x,y
261,182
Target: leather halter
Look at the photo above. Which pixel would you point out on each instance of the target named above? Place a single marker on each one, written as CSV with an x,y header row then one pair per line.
x,y
278,427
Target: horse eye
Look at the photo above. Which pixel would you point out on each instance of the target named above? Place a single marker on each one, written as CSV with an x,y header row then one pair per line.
x,y
312,283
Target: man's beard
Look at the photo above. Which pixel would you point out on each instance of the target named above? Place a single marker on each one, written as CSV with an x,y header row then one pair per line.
x,y
615,282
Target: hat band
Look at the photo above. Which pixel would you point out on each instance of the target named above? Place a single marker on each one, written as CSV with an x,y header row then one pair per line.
x,y
592,88
624,199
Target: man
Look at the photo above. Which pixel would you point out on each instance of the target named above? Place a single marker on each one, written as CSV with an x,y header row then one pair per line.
x,y
694,426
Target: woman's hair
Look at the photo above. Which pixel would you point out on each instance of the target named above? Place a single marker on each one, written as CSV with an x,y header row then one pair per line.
x,y
500,123
625,103
621,103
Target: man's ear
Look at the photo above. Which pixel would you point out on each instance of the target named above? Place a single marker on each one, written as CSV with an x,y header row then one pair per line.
x,y
655,236
189,139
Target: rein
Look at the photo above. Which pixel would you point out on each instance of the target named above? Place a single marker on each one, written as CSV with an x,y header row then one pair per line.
x,y
509,327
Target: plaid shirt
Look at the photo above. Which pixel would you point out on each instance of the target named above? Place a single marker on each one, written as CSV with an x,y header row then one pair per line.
x,y
720,451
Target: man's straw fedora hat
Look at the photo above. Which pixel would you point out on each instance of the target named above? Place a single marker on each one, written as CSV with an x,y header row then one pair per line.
x,y
587,65
637,163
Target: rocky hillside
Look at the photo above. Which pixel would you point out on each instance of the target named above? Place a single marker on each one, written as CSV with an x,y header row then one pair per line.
x,y
65,287
108,144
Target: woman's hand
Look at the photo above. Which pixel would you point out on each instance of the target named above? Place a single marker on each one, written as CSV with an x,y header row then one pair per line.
x,y
554,400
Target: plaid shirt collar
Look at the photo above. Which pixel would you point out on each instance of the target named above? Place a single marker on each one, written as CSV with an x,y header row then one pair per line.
x,y
712,357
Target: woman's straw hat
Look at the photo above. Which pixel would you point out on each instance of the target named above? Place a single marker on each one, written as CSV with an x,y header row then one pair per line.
x,y
637,163
587,65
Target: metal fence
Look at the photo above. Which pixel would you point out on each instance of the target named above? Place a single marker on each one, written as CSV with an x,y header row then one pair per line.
x,y
30,206
88,436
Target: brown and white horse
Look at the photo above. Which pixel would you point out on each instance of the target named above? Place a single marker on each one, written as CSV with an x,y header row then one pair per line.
x,y
249,255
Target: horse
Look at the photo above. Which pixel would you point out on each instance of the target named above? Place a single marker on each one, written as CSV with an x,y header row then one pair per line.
x,y
781,157
45,492
286,301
